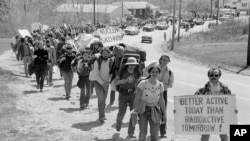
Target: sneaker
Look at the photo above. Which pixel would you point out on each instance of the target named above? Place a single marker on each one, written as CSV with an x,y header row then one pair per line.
x,y
51,84
67,97
37,87
118,127
82,107
111,103
41,90
101,120
163,136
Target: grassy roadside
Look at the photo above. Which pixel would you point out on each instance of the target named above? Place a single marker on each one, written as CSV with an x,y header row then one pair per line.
x,y
224,46
9,114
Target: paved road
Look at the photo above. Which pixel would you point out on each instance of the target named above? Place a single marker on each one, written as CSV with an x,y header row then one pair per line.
x,y
189,77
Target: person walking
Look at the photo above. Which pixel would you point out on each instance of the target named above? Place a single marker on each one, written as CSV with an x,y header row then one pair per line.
x,y
165,36
102,66
150,105
118,53
59,50
83,70
24,53
41,60
167,78
52,61
126,85
65,66
214,87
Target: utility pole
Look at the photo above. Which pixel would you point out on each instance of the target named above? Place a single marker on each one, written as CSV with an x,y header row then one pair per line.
x,y
122,9
211,12
217,15
94,11
173,22
178,39
248,46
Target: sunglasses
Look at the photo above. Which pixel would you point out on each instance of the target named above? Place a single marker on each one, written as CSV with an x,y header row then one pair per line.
x,y
214,75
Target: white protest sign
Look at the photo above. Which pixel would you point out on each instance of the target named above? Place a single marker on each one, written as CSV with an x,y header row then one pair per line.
x,y
83,40
45,27
110,35
24,32
204,114
35,26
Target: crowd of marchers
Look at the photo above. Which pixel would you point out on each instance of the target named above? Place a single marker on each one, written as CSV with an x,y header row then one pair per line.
x,y
144,89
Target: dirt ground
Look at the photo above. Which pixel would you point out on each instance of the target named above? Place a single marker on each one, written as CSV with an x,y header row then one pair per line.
x,y
48,116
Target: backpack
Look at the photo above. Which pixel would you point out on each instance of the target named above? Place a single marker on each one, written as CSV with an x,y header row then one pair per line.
x,y
82,67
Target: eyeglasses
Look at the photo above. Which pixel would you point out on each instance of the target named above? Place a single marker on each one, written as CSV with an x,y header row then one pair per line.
x,y
213,75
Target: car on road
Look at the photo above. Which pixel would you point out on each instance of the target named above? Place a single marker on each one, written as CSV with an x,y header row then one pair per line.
x,y
147,37
131,30
161,26
198,22
148,27
185,25
190,21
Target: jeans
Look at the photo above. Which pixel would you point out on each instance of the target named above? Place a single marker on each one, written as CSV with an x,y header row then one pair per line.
x,y
40,74
112,92
92,84
68,77
163,126
50,73
124,100
101,92
206,137
144,119
85,91
26,62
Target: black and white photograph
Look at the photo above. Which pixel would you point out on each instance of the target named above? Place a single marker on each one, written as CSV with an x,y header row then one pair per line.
x,y
124,70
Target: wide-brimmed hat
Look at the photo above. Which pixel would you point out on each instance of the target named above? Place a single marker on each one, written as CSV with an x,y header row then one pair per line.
x,y
132,61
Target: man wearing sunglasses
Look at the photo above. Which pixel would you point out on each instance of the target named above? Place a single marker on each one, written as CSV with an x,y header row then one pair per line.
x,y
213,87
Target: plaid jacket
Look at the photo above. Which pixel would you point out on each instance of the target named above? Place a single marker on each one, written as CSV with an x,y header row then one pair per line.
x,y
206,90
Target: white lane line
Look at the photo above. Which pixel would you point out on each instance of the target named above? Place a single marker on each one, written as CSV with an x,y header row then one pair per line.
x,y
196,86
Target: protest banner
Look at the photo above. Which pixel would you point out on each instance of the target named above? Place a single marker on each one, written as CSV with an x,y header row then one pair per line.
x,y
110,35
204,114
24,32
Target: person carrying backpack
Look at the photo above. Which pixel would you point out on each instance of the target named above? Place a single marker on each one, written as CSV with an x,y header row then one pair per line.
x,y
82,68
64,63
41,59
102,66
25,54
126,85
118,52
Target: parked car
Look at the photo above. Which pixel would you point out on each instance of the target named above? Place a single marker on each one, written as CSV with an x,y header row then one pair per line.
x,y
148,27
184,25
161,26
131,30
147,37
198,21
190,21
